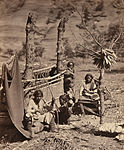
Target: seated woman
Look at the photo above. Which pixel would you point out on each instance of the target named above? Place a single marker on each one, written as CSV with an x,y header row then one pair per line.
x,y
89,97
89,90
39,114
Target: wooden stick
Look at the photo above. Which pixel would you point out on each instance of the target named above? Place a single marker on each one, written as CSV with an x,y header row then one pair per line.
x,y
93,36
48,78
77,40
90,110
114,41
85,27
42,85
43,69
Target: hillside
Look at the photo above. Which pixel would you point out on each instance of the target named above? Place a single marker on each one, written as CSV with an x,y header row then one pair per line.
x,y
13,21
80,134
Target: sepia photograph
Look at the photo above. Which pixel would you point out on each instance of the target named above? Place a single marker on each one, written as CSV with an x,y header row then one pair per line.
x,y
61,74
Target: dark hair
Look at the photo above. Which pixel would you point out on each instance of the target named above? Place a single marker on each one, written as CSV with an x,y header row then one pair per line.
x,y
38,93
87,75
70,63
68,81
63,99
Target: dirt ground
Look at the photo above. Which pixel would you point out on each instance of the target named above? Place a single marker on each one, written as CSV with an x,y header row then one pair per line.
x,y
81,133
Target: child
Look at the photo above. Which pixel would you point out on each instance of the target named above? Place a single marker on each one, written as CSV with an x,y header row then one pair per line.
x,y
69,76
64,113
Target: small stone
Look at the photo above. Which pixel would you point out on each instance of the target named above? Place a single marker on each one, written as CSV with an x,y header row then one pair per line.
x,y
120,137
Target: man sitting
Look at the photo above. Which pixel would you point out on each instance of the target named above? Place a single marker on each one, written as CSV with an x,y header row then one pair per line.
x,y
38,114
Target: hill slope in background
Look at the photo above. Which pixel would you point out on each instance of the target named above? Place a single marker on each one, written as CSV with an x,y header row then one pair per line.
x,y
12,24
14,16
13,20
7,6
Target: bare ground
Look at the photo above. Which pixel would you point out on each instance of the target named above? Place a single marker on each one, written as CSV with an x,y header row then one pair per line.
x,y
81,135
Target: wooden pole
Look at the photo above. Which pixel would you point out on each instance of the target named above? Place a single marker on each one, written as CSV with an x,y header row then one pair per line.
x,y
30,31
101,94
60,50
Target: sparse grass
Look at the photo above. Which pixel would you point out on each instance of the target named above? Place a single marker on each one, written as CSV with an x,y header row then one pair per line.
x,y
113,79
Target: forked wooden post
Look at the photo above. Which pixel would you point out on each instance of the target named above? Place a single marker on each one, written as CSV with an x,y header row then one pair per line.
x,y
30,31
60,50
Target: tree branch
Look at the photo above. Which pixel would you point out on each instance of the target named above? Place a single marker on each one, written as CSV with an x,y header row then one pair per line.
x,y
80,43
85,27
114,41
92,36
